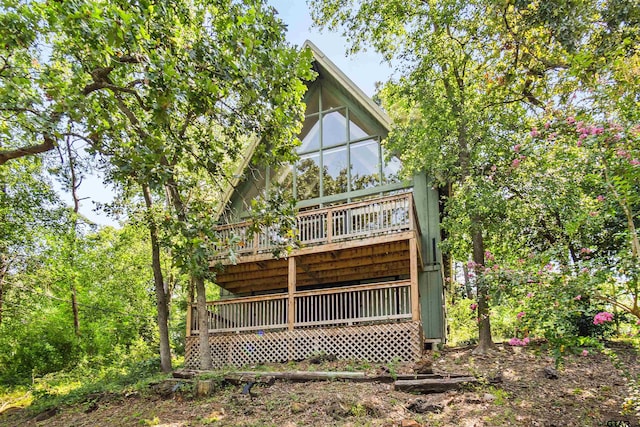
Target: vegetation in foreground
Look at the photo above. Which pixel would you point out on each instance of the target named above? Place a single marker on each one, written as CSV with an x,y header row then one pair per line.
x,y
590,389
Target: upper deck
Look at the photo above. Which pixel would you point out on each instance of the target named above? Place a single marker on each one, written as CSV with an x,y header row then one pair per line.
x,y
345,243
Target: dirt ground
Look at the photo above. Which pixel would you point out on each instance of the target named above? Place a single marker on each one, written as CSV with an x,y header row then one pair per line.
x,y
589,391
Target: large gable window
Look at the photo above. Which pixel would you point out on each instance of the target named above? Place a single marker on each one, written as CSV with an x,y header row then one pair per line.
x,y
340,150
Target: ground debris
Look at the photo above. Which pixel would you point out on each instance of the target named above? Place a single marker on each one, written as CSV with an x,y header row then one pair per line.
x,y
422,405
588,391
550,373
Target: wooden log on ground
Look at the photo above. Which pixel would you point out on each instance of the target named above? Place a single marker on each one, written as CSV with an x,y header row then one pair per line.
x,y
299,376
187,373
433,385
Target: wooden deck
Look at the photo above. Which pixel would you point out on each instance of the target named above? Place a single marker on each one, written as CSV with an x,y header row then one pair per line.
x,y
347,225
350,305
310,301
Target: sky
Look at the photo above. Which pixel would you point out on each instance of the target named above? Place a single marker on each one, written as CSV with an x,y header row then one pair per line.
x,y
365,69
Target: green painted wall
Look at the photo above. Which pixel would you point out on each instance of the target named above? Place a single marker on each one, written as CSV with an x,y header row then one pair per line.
x,y
430,279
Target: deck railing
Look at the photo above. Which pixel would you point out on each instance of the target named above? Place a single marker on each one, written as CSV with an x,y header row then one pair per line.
x,y
382,302
347,221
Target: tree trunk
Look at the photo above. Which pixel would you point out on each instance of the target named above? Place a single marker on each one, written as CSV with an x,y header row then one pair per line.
x,y
161,296
74,185
203,324
201,295
3,273
467,281
485,342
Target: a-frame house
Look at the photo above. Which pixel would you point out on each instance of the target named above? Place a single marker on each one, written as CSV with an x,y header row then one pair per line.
x,y
365,281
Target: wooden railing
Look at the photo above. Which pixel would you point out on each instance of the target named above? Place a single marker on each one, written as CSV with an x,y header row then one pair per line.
x,y
390,214
382,302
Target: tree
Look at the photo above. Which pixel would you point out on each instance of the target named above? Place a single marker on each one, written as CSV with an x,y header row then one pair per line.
x,y
166,93
27,205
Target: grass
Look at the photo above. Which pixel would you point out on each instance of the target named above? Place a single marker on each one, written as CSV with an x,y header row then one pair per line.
x,y
71,387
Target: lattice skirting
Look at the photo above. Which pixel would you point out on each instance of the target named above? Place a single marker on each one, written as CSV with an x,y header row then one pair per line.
x,y
375,343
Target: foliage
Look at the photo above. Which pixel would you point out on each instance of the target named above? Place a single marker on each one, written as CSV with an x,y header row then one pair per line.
x,y
114,298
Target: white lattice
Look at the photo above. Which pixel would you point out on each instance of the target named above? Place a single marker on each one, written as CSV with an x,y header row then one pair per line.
x,y
375,343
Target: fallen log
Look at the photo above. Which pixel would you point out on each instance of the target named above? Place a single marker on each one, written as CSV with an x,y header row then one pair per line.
x,y
298,376
433,385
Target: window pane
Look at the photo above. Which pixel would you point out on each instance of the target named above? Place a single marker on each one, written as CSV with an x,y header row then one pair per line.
x,y
334,128
282,177
308,177
359,128
335,171
365,165
391,168
310,135
355,132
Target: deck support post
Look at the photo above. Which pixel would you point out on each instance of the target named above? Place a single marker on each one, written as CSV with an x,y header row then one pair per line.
x,y
291,312
189,311
413,269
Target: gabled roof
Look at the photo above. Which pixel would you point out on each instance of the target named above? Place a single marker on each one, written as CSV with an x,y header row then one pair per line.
x,y
329,71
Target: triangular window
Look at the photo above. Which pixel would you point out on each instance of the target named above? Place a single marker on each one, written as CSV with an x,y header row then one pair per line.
x,y
338,140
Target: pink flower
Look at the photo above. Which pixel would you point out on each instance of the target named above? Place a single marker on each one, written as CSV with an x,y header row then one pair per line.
x,y
552,136
534,132
593,213
598,130
638,322
600,198
529,295
602,318
571,120
635,162
585,251
547,125
520,315
473,306
577,298
585,353
494,168
516,148
622,153
488,255
515,163
517,342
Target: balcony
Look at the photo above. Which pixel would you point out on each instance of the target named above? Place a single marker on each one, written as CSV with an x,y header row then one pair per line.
x,y
380,219
351,305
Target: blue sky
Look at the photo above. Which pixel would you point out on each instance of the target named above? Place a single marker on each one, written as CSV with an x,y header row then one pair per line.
x,y
365,69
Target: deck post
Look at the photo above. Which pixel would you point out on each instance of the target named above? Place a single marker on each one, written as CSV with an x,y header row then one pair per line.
x,y
329,226
189,310
291,312
413,269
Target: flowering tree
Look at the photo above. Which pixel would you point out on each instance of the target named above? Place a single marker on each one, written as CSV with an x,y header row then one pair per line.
x,y
602,231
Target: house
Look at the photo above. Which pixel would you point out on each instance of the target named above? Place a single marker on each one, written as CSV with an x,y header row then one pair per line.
x,y
366,280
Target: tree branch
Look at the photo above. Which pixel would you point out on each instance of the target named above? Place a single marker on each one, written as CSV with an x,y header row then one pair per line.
x,y
48,145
